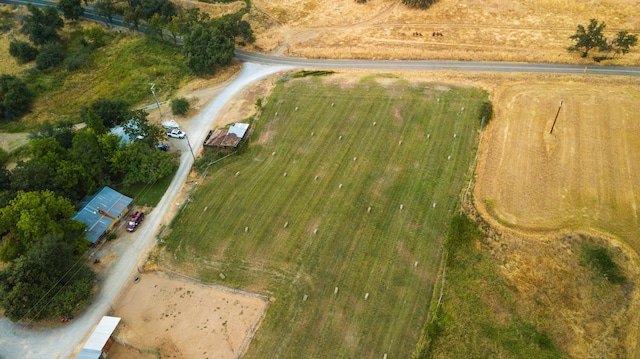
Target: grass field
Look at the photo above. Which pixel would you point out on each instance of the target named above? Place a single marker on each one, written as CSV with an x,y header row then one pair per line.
x,y
337,210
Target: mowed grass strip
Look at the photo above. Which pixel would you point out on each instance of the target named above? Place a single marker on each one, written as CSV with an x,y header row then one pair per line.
x,y
290,218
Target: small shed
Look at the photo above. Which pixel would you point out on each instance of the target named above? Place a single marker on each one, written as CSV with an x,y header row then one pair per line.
x,y
102,211
227,138
100,341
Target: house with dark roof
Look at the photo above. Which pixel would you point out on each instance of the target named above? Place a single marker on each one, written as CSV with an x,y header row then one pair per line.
x,y
102,211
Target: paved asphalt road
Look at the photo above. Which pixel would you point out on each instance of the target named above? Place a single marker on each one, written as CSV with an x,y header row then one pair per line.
x,y
470,66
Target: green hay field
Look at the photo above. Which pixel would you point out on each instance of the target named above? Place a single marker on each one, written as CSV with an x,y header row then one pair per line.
x,y
290,217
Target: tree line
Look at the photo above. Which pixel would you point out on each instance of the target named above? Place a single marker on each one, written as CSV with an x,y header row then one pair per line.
x,y
208,43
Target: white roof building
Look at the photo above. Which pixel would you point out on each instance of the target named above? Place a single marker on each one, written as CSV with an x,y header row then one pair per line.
x,y
99,342
239,129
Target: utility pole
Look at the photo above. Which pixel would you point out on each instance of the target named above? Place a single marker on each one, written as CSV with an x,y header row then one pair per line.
x,y
556,119
153,91
190,149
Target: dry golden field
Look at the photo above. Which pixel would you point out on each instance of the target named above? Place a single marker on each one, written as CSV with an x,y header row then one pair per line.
x,y
519,30
545,192
584,175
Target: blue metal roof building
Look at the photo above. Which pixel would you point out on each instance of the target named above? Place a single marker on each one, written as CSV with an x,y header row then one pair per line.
x,y
101,211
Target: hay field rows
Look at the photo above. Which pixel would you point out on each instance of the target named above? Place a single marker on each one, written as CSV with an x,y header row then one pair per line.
x,y
290,217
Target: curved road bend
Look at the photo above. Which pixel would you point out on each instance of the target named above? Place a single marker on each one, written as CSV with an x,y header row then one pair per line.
x,y
23,343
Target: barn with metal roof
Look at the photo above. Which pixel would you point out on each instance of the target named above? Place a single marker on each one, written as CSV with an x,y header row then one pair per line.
x,y
227,138
101,211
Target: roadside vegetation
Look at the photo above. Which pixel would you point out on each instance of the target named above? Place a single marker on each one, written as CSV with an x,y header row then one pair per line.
x,y
336,210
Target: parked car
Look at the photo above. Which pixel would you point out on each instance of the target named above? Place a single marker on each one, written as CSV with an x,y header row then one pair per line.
x,y
135,221
163,147
176,133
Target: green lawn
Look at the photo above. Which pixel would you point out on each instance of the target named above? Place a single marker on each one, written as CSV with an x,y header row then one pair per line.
x,y
318,162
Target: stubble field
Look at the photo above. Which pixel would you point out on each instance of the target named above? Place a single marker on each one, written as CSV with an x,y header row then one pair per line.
x,y
336,211
584,175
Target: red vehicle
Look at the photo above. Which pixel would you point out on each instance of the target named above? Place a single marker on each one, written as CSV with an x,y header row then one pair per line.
x,y
135,220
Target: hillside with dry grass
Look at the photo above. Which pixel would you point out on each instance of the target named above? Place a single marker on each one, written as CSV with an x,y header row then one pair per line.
x,y
520,30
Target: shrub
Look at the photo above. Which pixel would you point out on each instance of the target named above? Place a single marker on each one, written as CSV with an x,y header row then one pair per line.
x,y
486,111
15,97
76,62
51,55
179,106
600,260
22,51
96,36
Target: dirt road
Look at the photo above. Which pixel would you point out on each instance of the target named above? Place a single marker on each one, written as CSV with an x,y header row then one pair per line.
x,y
17,341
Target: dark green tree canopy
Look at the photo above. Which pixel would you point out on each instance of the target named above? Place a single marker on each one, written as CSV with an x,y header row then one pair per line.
x,y
624,41
590,38
72,9
140,129
15,97
179,106
163,8
51,55
95,123
87,153
146,164
32,216
132,17
46,282
22,51
106,9
111,112
43,26
62,130
206,48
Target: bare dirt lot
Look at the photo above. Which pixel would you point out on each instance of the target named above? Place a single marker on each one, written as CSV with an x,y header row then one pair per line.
x,y
182,319
520,30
